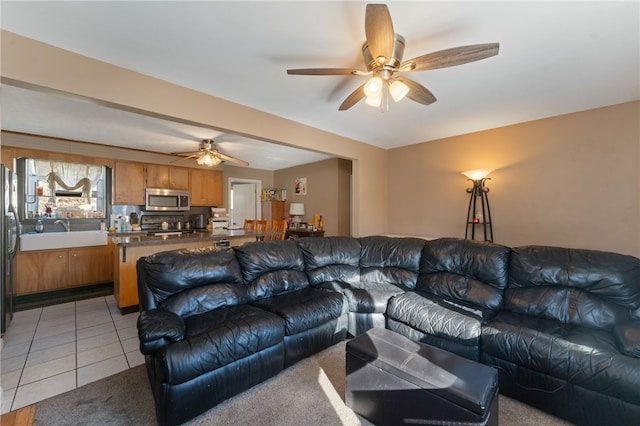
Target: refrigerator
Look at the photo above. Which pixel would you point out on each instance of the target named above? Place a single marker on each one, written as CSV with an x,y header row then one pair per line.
x,y
9,241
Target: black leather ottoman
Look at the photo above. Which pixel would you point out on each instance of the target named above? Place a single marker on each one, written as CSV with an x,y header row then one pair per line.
x,y
393,380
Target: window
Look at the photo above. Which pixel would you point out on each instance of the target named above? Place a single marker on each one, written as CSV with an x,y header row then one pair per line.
x,y
60,189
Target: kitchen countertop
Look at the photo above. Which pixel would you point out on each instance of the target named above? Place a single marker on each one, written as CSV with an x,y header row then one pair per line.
x,y
124,239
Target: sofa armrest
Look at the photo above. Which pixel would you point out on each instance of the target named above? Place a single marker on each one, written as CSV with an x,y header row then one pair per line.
x,y
157,328
627,337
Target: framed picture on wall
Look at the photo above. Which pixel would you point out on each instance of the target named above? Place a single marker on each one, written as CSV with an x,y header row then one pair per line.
x,y
301,186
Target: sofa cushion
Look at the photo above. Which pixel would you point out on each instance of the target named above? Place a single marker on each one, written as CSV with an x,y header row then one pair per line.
x,y
166,274
331,259
627,337
270,268
613,276
575,286
565,304
366,298
388,260
217,338
205,298
304,309
157,328
583,356
470,271
436,317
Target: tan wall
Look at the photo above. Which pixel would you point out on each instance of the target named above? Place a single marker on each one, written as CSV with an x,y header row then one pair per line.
x,y
265,176
327,188
32,64
571,180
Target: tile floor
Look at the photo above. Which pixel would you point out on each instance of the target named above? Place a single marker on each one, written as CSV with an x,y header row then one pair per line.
x,y
51,350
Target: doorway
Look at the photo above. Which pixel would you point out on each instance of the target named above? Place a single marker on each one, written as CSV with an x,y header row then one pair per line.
x,y
244,201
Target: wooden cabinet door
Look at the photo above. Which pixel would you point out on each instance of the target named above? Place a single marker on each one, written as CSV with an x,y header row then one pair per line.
x,y
179,178
39,271
206,188
128,183
90,265
167,177
157,176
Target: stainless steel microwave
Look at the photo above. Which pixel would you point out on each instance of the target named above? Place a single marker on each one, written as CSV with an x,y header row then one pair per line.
x,y
173,200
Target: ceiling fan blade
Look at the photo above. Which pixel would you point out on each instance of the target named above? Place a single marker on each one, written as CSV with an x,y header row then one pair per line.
x,y
378,28
352,99
327,71
186,153
451,57
417,92
232,159
185,158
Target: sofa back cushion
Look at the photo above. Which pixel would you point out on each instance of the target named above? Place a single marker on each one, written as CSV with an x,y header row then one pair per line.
x,y
270,268
473,272
190,281
389,260
331,259
575,286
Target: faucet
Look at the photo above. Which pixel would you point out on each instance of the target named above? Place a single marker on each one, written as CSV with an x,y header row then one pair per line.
x,y
65,224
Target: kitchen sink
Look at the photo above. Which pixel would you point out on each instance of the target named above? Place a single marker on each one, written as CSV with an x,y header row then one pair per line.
x,y
62,240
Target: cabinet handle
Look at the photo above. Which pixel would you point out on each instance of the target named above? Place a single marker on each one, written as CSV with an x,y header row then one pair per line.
x,y
60,256
74,255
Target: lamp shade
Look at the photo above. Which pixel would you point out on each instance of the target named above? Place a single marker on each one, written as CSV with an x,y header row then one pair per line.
x,y
296,209
477,174
398,90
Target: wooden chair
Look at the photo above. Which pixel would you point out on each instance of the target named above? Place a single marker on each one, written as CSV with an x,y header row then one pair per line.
x,y
260,228
249,225
278,230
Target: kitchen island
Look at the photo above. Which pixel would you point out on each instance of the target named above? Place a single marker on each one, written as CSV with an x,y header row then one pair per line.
x,y
129,247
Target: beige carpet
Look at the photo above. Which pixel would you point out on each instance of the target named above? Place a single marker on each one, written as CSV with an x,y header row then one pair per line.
x,y
308,393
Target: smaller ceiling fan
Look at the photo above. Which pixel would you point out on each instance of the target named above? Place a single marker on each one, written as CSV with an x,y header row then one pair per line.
x,y
208,155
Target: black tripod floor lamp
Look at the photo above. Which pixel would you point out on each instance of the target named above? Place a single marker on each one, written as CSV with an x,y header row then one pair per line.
x,y
478,213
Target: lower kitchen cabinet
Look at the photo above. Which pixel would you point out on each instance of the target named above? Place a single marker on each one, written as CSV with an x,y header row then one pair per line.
x,y
47,270
90,265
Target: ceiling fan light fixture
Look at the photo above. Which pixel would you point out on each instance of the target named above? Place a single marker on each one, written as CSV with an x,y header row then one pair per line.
x,y
374,101
208,159
398,90
373,88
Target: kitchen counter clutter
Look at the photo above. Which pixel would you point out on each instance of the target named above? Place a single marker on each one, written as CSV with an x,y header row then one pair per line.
x,y
142,238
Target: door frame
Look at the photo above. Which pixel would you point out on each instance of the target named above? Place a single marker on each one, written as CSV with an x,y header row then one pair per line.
x,y
258,200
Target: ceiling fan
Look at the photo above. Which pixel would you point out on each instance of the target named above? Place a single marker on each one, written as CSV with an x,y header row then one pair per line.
x,y
208,155
382,52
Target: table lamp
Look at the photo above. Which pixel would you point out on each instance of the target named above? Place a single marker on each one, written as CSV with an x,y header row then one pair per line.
x,y
296,210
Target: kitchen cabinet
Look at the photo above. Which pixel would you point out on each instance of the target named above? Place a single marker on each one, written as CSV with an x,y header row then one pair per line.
x,y
167,177
272,210
47,270
128,183
38,271
206,188
90,265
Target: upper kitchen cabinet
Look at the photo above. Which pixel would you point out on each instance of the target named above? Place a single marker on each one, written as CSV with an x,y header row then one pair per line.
x,y
128,183
167,177
206,187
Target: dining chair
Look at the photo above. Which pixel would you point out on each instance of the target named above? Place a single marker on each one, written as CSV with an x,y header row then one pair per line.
x,y
249,225
278,230
260,228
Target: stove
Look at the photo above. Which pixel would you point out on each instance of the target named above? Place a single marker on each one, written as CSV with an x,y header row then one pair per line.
x,y
152,222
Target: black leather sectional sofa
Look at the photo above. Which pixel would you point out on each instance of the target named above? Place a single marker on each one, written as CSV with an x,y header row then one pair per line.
x,y
562,326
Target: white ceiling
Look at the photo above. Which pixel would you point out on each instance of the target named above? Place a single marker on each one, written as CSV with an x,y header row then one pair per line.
x,y
555,58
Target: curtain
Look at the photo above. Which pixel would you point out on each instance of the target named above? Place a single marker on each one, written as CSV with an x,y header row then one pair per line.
x,y
69,176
